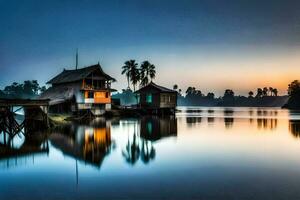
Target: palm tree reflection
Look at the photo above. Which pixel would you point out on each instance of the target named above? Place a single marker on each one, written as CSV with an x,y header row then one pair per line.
x,y
132,151
148,151
152,129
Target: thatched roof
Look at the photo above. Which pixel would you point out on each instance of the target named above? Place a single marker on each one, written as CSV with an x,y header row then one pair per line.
x,y
67,76
59,94
156,87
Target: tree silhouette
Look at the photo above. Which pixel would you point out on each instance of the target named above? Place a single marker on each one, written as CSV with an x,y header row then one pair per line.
x,y
210,96
175,87
265,91
189,90
29,89
228,98
271,91
134,73
294,95
294,88
147,71
259,93
275,91
126,70
228,93
250,94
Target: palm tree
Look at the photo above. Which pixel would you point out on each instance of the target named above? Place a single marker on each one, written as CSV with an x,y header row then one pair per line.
x,y
271,91
134,74
152,72
126,70
147,72
265,91
130,69
275,91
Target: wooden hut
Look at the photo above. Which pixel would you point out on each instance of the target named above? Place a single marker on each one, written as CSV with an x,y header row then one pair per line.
x,y
157,98
88,88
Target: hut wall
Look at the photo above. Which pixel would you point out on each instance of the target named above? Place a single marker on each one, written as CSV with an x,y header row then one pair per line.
x,y
168,100
155,100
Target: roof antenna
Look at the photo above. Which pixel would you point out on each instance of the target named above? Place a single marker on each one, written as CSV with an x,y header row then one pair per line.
x,y
76,58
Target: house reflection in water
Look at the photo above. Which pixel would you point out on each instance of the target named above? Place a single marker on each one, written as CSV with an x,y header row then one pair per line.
x,y
154,128
88,143
294,127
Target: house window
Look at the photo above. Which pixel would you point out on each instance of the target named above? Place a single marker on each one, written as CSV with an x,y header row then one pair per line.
x,y
149,98
90,95
149,128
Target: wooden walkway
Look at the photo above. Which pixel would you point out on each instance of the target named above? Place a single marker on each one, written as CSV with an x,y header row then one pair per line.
x,y
35,116
24,102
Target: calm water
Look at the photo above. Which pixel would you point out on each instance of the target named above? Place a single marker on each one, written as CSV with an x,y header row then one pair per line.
x,y
202,153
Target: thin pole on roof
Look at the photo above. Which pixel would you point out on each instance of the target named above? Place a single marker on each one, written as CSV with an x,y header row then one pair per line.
x,y
76,58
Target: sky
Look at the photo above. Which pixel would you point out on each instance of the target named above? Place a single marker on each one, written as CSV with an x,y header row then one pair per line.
x,y
212,45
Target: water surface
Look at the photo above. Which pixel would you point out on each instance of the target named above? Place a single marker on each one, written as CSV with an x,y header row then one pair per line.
x,y
201,153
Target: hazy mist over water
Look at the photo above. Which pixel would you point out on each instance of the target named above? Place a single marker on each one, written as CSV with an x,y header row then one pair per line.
x,y
199,153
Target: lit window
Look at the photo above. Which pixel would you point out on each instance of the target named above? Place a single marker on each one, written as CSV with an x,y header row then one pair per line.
x,y
149,128
149,98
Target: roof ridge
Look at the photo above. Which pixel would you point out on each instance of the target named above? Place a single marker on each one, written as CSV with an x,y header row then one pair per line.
x,y
162,88
76,74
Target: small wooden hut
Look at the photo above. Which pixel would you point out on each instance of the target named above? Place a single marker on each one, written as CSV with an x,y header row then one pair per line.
x,y
157,98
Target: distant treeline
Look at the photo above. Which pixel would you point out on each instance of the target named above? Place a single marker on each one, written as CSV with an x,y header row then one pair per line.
x,y
29,89
193,97
266,96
